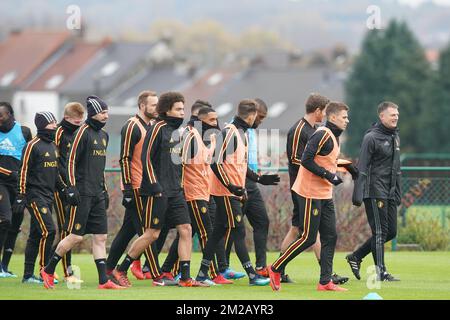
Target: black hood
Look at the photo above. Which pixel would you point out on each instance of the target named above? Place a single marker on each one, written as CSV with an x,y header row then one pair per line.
x,y
69,127
95,124
192,121
174,122
336,131
378,126
240,124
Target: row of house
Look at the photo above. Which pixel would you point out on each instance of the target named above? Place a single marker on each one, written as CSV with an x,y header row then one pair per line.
x,y
43,70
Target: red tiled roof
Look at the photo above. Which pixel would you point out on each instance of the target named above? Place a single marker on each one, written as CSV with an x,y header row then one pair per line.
x,y
432,55
25,51
69,64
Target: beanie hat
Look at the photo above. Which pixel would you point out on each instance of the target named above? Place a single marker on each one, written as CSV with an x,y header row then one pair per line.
x,y
95,105
42,119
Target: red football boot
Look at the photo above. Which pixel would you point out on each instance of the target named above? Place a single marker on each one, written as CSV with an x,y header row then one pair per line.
x,y
49,280
110,285
275,279
191,283
330,287
136,270
263,272
221,280
121,278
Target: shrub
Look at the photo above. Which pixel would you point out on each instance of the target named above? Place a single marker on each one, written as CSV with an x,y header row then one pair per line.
x,y
428,233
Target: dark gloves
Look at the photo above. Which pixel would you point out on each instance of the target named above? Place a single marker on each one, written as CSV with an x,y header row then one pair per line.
x,y
356,202
269,179
353,171
64,195
237,191
349,167
105,193
244,197
333,178
14,176
128,198
398,199
19,204
73,196
155,189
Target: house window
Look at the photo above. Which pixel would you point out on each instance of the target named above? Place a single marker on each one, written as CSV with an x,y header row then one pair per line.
x,y
8,78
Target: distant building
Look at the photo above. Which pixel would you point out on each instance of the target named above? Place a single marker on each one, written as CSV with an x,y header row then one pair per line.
x,y
25,56
285,91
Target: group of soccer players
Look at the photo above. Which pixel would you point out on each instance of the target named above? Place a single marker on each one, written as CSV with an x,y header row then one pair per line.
x,y
199,179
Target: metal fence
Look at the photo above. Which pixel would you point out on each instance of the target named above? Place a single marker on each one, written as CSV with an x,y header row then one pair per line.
x,y
426,197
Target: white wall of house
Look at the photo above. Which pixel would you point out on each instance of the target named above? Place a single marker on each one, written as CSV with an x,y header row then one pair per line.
x,y
27,103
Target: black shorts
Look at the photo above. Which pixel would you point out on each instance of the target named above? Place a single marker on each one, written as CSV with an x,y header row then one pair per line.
x,y
7,197
229,212
300,209
89,217
160,211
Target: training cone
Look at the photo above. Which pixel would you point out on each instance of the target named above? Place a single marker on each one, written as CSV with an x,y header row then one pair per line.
x,y
373,296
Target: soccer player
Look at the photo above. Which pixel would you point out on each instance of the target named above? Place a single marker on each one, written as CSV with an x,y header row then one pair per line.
x,y
73,119
228,188
39,179
313,189
254,207
297,139
132,140
378,186
171,264
196,157
161,189
86,193
13,138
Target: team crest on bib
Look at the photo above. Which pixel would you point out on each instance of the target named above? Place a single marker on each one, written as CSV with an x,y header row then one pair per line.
x,y
380,204
204,209
315,212
155,221
77,226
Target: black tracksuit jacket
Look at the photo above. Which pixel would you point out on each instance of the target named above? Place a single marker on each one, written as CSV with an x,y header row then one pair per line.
x,y
229,149
379,165
39,177
314,147
161,158
63,140
87,160
297,139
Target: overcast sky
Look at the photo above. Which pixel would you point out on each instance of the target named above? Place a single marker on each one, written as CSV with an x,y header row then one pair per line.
x,y
308,24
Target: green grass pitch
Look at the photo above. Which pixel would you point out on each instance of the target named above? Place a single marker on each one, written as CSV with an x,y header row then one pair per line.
x,y
424,275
